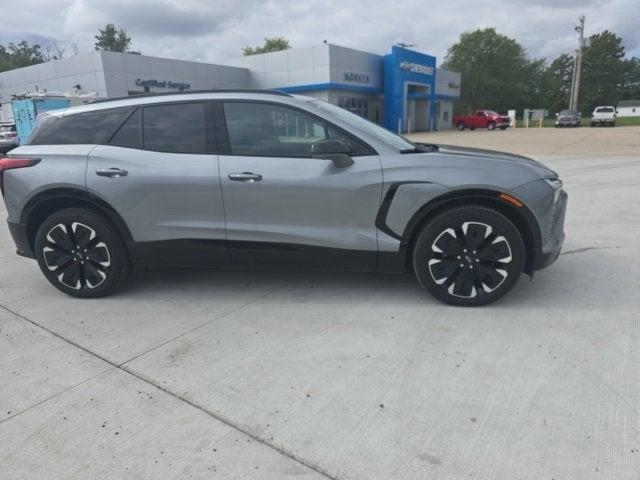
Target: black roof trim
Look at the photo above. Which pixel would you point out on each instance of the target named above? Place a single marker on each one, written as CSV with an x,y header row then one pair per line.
x,y
189,92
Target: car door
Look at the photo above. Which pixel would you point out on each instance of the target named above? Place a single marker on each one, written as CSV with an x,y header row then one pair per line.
x,y
284,207
159,171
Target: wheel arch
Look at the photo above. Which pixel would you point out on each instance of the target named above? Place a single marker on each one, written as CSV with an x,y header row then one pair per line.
x,y
521,217
45,203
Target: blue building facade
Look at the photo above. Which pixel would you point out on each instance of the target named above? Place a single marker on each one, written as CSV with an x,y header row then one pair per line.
x,y
403,90
409,90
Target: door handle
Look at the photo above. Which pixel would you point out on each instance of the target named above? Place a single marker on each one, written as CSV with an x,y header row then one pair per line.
x,y
245,177
112,173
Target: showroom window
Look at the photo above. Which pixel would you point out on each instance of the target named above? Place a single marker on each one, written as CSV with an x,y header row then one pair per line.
x,y
177,128
368,108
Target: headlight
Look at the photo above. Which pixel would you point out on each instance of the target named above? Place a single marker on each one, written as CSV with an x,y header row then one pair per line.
x,y
556,186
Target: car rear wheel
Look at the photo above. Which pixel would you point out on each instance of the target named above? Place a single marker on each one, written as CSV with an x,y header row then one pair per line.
x,y
460,126
81,253
491,125
469,256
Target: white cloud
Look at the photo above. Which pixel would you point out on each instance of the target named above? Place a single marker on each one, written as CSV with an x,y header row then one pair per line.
x,y
215,30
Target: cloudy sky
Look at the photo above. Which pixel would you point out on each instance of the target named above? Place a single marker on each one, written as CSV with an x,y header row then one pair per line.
x,y
211,30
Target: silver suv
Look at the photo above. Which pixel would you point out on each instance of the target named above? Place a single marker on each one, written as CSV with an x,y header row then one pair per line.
x,y
266,179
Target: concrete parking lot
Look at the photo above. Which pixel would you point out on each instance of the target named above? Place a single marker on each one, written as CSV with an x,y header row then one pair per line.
x,y
271,375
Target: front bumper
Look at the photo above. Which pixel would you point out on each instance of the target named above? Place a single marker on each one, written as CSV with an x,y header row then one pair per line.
x,y
551,249
20,236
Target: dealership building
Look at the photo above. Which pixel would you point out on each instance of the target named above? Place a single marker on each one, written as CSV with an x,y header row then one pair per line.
x,y
402,90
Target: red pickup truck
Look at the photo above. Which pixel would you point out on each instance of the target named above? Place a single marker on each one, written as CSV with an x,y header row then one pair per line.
x,y
481,119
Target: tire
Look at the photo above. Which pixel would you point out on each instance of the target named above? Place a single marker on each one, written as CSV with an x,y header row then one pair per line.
x,y
97,269
613,124
460,126
486,275
491,125
472,128
503,128
593,124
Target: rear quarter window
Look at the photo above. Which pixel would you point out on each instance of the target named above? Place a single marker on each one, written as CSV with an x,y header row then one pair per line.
x,y
79,128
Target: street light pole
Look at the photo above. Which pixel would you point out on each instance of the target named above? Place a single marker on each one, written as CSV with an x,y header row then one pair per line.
x,y
577,66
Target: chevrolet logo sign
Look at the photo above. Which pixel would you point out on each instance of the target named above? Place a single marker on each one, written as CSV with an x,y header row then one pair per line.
x,y
416,68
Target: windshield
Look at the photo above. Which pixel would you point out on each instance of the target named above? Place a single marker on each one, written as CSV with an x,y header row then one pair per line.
x,y
604,110
490,112
396,141
568,112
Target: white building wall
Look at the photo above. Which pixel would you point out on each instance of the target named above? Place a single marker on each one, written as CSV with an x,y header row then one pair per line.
x,y
55,76
122,70
287,68
447,83
631,111
113,74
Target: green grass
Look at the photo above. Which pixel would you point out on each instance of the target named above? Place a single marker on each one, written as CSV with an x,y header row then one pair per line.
x,y
585,122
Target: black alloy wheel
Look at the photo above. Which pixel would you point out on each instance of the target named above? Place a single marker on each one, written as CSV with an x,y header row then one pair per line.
x,y
469,256
81,253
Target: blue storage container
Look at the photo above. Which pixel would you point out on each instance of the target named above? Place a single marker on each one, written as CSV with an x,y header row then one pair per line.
x,y
26,110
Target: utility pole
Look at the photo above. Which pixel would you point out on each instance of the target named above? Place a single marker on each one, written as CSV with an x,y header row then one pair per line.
x,y
577,65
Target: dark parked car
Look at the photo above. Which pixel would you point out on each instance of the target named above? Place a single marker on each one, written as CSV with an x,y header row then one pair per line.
x,y
568,118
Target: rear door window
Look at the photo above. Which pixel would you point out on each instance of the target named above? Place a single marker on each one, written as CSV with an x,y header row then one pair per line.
x,y
177,128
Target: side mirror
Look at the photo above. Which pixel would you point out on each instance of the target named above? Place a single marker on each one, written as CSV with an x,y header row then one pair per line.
x,y
333,149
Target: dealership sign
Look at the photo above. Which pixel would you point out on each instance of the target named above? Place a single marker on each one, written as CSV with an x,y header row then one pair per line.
x,y
356,77
153,83
416,68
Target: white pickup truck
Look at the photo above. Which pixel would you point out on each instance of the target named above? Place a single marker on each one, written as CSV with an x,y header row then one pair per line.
x,y
604,116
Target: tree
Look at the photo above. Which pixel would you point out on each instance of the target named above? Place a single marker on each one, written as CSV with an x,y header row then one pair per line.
x,y
631,79
57,51
557,83
20,55
273,44
603,70
495,71
113,40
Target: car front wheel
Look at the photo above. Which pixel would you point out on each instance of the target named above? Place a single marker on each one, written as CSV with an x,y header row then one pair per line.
x,y
491,125
469,256
460,126
81,253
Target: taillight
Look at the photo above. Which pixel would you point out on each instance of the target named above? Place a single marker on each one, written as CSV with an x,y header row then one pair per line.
x,y
10,163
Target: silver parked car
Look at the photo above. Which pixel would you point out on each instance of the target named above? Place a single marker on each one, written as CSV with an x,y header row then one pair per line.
x,y
254,179
8,137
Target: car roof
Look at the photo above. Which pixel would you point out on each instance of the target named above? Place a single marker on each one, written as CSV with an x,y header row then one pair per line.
x,y
147,99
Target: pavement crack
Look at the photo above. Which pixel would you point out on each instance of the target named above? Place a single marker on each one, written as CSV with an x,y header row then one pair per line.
x,y
586,249
281,450
208,322
50,397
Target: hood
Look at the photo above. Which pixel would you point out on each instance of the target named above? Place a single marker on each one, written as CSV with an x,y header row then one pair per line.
x,y
494,155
